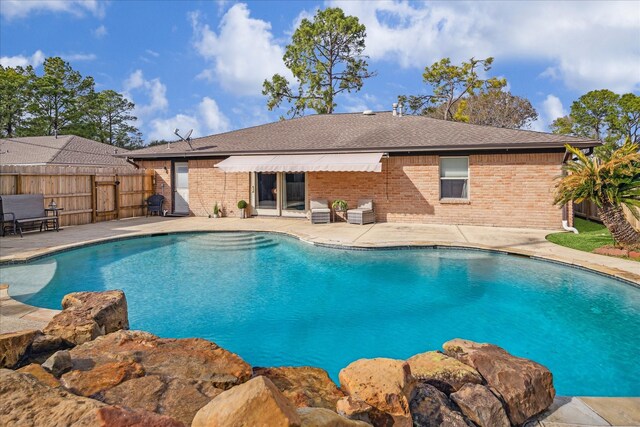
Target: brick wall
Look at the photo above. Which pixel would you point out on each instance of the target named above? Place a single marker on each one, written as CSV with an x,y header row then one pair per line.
x,y
162,169
513,190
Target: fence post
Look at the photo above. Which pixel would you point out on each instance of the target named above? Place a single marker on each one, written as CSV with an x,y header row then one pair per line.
x,y
94,207
19,183
117,197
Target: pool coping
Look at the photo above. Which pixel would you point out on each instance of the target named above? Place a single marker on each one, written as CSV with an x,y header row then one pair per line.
x,y
610,272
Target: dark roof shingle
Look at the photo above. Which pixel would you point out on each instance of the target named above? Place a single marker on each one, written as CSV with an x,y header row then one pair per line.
x,y
63,150
349,132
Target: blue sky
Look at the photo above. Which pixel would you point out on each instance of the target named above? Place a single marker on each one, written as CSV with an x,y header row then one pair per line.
x,y
200,64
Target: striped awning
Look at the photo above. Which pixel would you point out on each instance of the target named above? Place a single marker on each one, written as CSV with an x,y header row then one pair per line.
x,y
348,162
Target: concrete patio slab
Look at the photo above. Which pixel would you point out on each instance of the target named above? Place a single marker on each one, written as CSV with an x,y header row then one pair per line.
x,y
617,411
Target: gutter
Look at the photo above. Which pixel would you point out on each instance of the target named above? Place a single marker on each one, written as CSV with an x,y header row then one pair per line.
x,y
131,162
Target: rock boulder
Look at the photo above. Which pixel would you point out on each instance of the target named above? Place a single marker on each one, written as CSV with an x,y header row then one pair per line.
x,y
255,403
14,345
41,374
481,406
100,378
58,363
88,315
191,358
431,408
526,387
304,386
322,417
385,384
443,372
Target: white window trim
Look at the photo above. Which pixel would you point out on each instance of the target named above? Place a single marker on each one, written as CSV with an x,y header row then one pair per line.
x,y
440,178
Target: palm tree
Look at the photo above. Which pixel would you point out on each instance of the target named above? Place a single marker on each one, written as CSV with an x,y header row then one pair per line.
x,y
610,179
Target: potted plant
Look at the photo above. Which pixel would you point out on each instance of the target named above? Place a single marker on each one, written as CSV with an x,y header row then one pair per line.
x,y
216,210
339,205
242,205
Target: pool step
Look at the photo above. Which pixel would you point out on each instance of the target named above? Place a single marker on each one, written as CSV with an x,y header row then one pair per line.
x,y
232,242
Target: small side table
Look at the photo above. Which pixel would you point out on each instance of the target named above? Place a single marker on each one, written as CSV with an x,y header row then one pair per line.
x,y
56,215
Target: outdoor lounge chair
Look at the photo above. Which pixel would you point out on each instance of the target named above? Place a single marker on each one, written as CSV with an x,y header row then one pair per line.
x,y
154,204
19,211
320,212
364,214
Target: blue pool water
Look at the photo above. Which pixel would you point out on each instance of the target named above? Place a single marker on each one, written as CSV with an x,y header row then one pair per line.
x,y
275,301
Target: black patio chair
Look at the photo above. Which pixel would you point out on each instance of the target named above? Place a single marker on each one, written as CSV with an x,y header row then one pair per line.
x,y
154,204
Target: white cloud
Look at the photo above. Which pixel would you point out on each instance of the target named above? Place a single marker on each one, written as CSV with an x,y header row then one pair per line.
x,y
154,90
152,53
243,53
207,120
213,118
11,9
550,109
100,32
76,57
34,60
589,45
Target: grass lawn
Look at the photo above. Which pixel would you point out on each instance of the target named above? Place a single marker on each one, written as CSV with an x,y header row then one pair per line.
x,y
592,235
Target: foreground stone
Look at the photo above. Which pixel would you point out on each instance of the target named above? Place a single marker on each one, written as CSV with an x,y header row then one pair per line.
x,y
25,401
58,363
322,417
102,377
191,358
431,408
14,345
481,406
255,403
443,372
526,387
385,384
41,374
88,315
178,398
304,386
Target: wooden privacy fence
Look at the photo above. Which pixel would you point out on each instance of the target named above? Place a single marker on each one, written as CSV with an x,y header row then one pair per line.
x,y
589,210
86,194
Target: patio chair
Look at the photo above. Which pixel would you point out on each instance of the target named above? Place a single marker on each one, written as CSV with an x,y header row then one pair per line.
x,y
364,214
320,212
154,204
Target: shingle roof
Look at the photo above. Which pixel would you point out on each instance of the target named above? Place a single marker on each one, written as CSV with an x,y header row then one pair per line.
x,y
351,132
63,150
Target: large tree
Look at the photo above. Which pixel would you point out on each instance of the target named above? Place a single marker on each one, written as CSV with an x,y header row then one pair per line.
x,y
603,115
495,108
451,84
610,179
14,95
325,58
58,99
110,115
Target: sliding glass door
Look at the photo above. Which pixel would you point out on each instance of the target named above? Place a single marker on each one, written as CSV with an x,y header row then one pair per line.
x,y
279,194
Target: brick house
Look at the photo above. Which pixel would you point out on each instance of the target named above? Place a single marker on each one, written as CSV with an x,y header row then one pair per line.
x,y
416,169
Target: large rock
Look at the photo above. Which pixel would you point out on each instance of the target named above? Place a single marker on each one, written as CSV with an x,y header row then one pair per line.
x,y
526,387
322,417
481,406
114,416
445,373
385,384
192,358
102,377
431,408
58,363
304,386
255,403
88,315
41,374
14,345
25,401
178,398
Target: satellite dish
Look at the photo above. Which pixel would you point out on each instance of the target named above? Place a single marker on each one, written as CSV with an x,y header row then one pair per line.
x,y
188,135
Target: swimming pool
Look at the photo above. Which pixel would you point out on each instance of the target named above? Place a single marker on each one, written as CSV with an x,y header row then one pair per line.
x,y
276,300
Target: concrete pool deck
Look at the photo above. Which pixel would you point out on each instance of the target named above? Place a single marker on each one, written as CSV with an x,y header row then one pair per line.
x,y
565,412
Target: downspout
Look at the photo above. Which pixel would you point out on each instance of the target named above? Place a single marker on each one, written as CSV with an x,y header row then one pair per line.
x,y
131,162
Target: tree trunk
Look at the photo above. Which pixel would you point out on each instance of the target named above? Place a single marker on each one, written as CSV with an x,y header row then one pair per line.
x,y
613,218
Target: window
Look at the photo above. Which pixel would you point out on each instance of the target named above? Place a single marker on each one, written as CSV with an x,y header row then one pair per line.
x,y
454,177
